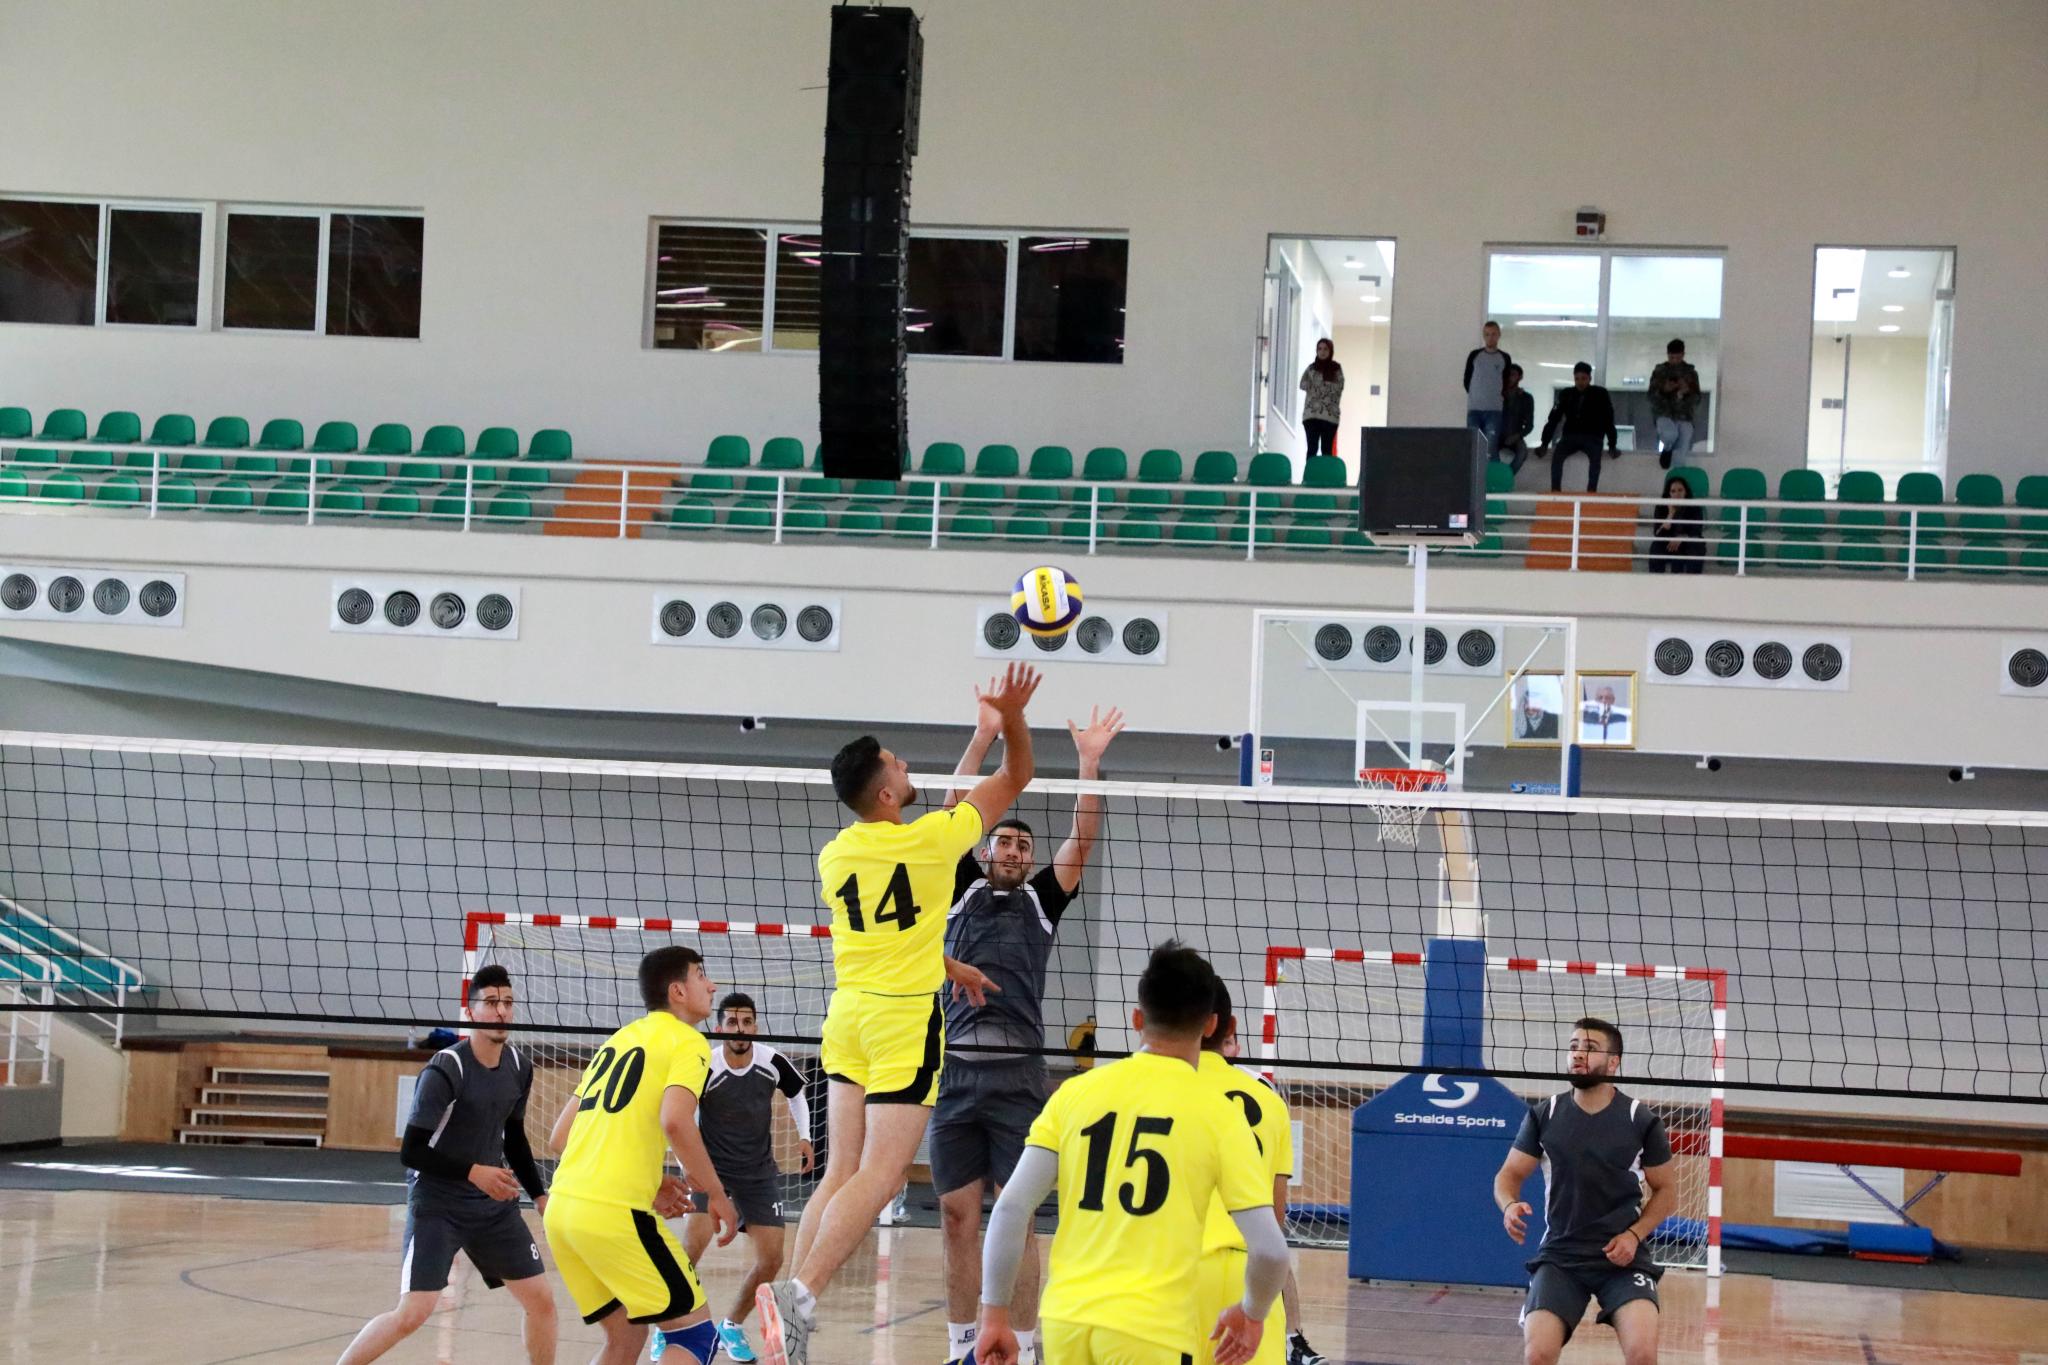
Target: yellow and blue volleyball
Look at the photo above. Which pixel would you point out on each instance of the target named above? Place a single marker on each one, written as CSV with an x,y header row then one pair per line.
x,y
1046,601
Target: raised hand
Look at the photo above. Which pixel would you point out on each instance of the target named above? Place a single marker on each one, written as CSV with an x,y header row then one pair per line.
x,y
987,720
1090,742
1013,691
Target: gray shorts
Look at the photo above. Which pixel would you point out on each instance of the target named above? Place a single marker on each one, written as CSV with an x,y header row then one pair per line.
x,y
1564,1290
493,1235
757,1197
984,1113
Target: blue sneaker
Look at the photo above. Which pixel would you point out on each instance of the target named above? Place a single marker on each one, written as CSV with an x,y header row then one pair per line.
x,y
732,1338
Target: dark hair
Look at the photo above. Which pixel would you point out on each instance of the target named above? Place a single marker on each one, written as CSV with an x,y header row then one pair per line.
x,y
1177,990
1328,369
1679,479
487,977
1009,822
1606,1030
738,1000
1677,344
854,769
661,969
1582,368
1511,369
1220,1002
1489,323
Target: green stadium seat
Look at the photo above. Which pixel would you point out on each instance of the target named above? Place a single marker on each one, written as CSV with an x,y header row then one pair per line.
x,y
1308,538
397,505
1981,490
149,459
1983,554
780,455
1073,528
282,433
333,438
118,429
1269,470
92,459
63,424
1239,531
1862,550
342,500
389,438
1039,493
175,493
530,475
2034,561
1324,473
971,527
62,488
860,522
878,496
1052,462
121,490
511,508
807,518
1157,466
39,457
1105,464
227,433
201,462
365,469
12,485
1921,489
445,440
914,524
2031,495
17,424
1217,470
1856,496
244,464
1500,478
1741,484
451,504
1695,479
1201,531
173,429
725,453
751,514
1028,528
551,443
496,443
231,495
943,459
1141,526
996,462
1798,549
417,472
1802,485
287,499
692,514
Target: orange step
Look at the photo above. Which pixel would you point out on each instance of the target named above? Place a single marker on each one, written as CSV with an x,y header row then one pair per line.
x,y
1607,533
590,505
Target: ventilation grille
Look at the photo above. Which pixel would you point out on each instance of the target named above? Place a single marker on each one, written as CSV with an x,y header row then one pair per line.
x,y
426,608
744,618
1469,649
2023,667
1745,656
82,596
1128,634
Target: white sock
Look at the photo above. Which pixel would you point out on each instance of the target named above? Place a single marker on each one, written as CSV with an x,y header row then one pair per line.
x,y
806,1301
1027,1351
959,1340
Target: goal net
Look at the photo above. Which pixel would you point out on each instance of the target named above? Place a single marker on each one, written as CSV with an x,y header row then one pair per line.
x,y
575,980
1362,1012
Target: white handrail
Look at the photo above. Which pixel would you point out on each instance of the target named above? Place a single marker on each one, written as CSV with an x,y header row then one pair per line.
x,y
85,949
18,986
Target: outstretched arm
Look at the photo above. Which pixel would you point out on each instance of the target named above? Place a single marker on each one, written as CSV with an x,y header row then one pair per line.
x,y
1089,745
994,794
987,725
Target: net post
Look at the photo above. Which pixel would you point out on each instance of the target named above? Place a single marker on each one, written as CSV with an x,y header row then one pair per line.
x,y
1716,1114
1454,1005
1269,1025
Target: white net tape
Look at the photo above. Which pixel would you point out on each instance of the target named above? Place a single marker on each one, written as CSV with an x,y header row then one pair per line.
x,y
1367,1010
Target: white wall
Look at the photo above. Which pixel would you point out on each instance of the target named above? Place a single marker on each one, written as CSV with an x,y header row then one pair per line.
x,y
1363,353
542,137
1887,409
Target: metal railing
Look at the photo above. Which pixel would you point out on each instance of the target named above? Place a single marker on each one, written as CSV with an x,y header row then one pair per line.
x,y
112,994
29,1045
1564,531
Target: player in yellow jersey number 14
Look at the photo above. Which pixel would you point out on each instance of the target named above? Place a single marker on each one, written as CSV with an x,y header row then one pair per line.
x,y
888,880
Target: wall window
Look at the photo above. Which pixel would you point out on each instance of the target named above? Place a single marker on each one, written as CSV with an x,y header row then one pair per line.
x,y
49,261
272,272
335,272
373,274
1877,394
975,294
1316,288
153,267
1617,310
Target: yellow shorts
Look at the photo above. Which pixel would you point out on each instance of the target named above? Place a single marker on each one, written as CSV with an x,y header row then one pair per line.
x,y
1219,1282
1080,1343
613,1257
892,1046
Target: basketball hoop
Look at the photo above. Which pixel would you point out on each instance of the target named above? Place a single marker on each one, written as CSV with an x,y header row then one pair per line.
x,y
1399,820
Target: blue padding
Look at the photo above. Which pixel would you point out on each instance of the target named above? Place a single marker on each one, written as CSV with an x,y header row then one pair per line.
x,y
1887,1239
1756,1237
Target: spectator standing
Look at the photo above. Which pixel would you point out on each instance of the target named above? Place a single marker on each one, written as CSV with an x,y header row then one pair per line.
x,y
1674,397
1485,376
1518,417
1678,544
1580,420
1323,382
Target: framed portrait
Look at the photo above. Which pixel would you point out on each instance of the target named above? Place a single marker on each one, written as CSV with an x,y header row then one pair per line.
x,y
1536,715
1607,710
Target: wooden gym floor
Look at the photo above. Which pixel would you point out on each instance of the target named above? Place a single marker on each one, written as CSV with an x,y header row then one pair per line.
x,y
98,1276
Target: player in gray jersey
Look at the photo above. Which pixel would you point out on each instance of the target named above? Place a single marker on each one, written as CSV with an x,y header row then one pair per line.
x,y
467,1156
1598,1147
994,1083
737,1117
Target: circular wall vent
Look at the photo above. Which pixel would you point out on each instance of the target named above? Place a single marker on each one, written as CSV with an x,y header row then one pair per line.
x,y
158,598
2027,667
678,618
494,611
1673,657
401,609
814,624
1001,631
1383,644
1141,636
1094,635
724,620
447,610
1476,648
1771,660
769,621
1724,658
67,594
1333,642
110,595
354,606
1822,662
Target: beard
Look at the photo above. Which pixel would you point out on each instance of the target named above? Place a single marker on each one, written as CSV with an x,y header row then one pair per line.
x,y
1587,1080
1004,880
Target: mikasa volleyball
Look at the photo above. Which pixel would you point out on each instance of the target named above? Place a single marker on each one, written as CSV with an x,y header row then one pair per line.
x,y
1046,601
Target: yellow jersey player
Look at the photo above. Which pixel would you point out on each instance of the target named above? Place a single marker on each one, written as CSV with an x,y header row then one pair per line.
x,y
605,1217
1221,1277
889,883
1140,1149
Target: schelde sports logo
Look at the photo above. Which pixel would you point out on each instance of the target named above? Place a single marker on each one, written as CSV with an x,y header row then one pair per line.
x,y
1434,1085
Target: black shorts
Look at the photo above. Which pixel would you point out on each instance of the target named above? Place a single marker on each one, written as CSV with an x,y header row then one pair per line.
x,y
1564,1289
493,1235
757,1197
984,1113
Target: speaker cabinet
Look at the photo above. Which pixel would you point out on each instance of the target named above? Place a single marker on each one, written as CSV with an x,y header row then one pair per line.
x,y
1427,482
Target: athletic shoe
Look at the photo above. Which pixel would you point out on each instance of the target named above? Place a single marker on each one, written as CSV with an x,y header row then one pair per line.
x,y
733,1338
785,1332
1299,1352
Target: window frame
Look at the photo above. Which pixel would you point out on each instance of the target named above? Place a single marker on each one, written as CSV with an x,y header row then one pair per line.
x,y
775,227
217,260
1704,442
202,306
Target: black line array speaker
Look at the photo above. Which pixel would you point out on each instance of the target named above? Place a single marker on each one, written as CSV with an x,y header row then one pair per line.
x,y
870,136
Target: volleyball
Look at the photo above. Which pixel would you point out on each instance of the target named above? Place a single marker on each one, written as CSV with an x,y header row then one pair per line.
x,y
1046,601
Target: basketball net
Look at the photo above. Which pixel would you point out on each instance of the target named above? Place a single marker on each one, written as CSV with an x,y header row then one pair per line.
x,y
1399,820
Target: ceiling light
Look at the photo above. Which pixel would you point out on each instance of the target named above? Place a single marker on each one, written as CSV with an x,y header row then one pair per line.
x,y
1381,317
686,289
1553,365
1351,261
1368,298
1899,272
1889,327
1895,308
1554,322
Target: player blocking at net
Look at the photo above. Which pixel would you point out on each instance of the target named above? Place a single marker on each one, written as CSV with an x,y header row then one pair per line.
x,y
467,1157
1596,1142
1139,1150
637,1101
888,882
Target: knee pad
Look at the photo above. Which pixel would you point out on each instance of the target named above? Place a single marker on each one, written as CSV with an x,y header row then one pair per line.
x,y
700,1341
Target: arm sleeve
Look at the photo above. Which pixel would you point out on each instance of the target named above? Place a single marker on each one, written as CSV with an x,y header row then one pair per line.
x,y
1529,1138
1265,1267
689,1068
418,1153
1550,424
791,1083
1242,1178
1466,386
519,1157
432,1093
1337,387
1613,436
1304,378
1052,897
1003,1249
955,832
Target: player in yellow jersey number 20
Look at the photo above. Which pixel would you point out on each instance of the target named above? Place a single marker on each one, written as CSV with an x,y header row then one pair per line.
x,y
889,883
